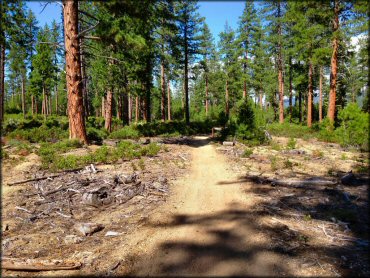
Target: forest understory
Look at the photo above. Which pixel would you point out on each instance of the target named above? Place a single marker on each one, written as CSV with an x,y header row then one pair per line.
x,y
287,208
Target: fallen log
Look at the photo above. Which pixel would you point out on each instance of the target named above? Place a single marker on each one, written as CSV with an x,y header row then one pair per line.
x,y
228,143
292,182
34,179
46,177
38,265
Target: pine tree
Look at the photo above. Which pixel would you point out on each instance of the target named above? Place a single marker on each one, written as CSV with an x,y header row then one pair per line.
x,y
246,30
208,51
188,24
77,127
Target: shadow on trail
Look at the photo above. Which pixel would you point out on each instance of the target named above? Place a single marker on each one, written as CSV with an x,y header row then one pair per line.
x,y
188,141
230,248
246,243
343,209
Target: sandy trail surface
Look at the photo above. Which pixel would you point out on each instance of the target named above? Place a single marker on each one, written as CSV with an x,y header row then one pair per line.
x,y
205,227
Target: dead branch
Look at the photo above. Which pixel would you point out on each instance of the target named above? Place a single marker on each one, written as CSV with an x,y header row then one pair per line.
x,y
35,179
38,265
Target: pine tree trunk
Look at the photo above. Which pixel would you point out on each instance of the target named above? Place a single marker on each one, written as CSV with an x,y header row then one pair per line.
x,y
320,95
310,94
84,83
120,106
290,90
43,103
56,100
206,94
300,106
129,109
2,79
103,107
187,112
50,109
334,64
280,72
36,106
33,104
136,109
125,108
163,93
76,118
23,96
260,99
108,111
168,100
227,98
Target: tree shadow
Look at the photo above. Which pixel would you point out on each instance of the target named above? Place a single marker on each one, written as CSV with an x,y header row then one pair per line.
x,y
194,142
244,242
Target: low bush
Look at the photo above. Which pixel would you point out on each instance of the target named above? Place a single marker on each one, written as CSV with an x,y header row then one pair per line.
x,y
127,132
96,135
40,134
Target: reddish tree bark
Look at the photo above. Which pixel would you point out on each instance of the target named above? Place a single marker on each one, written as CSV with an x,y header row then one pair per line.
x,y
108,111
23,96
76,117
136,109
320,95
334,64
168,100
310,94
280,72
163,94
2,79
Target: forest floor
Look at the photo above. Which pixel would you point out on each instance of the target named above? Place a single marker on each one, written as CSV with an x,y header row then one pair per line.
x,y
204,210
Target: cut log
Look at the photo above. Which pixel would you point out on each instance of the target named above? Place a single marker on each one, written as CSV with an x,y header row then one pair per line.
x,y
35,179
88,228
38,265
228,143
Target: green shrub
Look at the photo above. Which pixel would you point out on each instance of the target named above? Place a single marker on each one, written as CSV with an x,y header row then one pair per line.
x,y
127,132
150,150
247,152
96,135
354,127
291,144
40,134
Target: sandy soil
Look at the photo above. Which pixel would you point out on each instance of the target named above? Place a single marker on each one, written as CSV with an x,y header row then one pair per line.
x,y
210,225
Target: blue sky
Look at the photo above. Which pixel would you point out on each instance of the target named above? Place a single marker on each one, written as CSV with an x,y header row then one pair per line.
x,y
215,12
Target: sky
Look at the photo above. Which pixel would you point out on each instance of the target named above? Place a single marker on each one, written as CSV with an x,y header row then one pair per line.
x,y
215,12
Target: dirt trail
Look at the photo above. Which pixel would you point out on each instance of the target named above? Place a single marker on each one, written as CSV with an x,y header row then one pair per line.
x,y
204,229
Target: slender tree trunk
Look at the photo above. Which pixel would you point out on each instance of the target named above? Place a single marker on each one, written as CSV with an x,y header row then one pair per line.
x,y
280,71
36,106
320,95
334,64
310,94
2,79
50,106
206,94
163,94
43,104
84,83
168,100
120,105
23,96
260,100
136,109
300,106
290,90
108,111
56,100
33,104
103,107
76,118
129,108
227,98
187,112
245,69
125,108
